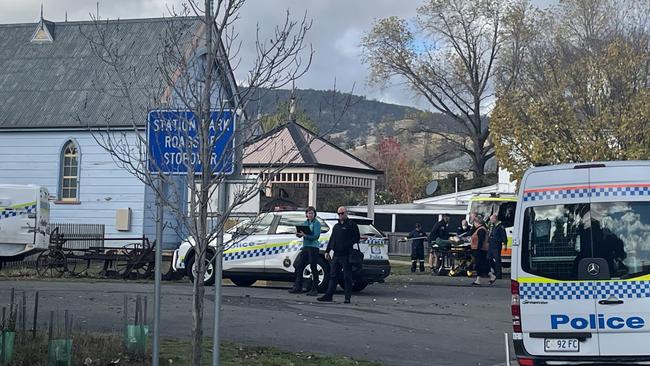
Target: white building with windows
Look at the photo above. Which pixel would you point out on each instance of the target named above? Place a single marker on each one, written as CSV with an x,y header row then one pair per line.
x,y
53,88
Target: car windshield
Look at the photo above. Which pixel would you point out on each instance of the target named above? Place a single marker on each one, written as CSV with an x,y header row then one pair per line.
x,y
555,238
483,208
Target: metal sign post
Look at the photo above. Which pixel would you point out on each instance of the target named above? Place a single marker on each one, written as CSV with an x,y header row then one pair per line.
x,y
218,262
172,146
157,285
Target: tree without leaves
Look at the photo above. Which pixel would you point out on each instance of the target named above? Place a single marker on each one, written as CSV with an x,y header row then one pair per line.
x,y
448,57
197,81
580,85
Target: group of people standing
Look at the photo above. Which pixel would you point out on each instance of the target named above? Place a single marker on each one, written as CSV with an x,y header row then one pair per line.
x,y
345,234
486,244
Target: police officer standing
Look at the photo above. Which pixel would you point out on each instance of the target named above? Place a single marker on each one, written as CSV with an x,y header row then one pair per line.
x,y
417,247
344,235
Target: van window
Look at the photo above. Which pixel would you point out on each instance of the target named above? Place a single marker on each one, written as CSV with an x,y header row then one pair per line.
x,y
621,235
554,239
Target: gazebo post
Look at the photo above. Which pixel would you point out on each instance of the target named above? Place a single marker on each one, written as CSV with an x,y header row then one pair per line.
x,y
371,200
313,189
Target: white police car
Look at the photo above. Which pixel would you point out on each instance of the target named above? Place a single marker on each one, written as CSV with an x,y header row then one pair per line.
x,y
581,265
266,247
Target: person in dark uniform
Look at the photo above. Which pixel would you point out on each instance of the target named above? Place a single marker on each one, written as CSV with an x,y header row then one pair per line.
x,y
498,240
439,232
344,235
417,247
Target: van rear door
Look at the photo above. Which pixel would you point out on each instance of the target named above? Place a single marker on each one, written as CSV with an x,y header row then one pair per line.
x,y
556,302
620,214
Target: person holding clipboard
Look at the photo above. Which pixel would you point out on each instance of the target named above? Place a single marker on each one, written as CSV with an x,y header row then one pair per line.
x,y
309,231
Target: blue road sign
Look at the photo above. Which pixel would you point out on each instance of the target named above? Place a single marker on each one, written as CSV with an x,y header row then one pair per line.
x,y
174,145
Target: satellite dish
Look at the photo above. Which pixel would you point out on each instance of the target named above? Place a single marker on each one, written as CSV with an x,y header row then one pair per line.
x,y
431,187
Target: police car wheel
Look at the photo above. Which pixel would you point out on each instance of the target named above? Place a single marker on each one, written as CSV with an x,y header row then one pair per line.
x,y
243,281
208,276
323,267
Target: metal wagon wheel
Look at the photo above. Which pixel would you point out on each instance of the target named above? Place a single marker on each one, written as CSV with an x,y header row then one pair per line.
x,y
137,263
77,265
52,263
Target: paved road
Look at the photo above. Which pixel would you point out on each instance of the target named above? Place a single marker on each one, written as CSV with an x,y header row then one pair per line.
x,y
411,320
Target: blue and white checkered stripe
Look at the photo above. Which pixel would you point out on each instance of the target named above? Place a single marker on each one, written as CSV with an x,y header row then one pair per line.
x,y
584,290
261,252
583,192
17,211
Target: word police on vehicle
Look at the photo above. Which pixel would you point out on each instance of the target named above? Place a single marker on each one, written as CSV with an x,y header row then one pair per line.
x,y
594,321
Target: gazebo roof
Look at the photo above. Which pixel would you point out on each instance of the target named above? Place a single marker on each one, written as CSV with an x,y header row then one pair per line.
x,y
292,145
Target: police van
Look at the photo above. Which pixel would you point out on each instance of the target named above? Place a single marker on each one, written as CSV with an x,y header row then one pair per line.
x,y
581,265
266,247
24,220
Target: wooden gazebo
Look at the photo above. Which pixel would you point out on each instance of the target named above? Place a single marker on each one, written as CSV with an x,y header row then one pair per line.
x,y
292,156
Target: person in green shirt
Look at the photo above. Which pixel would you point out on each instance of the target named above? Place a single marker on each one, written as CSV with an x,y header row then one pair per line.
x,y
309,253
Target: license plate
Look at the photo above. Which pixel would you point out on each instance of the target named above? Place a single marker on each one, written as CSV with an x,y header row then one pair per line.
x,y
561,345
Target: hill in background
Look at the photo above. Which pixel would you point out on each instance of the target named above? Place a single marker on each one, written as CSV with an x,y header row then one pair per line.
x,y
351,119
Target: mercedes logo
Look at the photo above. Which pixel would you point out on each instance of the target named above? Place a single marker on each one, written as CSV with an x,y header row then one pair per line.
x,y
593,269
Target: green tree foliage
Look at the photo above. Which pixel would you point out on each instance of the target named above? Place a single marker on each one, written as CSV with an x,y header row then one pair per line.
x,y
578,85
404,179
446,55
282,116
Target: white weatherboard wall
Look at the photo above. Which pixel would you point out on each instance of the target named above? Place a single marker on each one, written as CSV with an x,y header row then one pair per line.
x,y
173,234
34,158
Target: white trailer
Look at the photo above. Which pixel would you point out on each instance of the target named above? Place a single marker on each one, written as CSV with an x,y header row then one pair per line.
x,y
24,220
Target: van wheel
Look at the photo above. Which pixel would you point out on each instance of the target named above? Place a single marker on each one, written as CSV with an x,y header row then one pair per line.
x,y
357,285
209,275
323,267
243,281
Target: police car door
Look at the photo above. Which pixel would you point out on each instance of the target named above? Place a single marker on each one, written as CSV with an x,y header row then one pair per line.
x,y
556,304
246,251
620,213
284,245
372,242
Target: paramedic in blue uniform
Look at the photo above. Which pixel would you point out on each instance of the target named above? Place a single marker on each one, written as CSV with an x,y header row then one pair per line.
x,y
309,253
344,235
417,247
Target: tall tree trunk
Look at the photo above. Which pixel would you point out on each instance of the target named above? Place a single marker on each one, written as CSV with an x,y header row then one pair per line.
x,y
204,192
197,319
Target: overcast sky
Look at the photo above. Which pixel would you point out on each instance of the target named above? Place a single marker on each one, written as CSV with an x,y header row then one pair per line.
x,y
338,26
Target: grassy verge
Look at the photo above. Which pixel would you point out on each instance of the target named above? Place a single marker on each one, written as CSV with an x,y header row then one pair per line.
x,y
107,349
